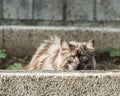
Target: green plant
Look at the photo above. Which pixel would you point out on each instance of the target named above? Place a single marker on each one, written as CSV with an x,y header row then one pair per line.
x,y
3,55
111,51
115,53
14,66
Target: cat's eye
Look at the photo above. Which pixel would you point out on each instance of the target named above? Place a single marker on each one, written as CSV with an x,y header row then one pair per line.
x,y
69,61
71,57
84,58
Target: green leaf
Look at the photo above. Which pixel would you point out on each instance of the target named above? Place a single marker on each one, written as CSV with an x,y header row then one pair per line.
x,y
14,66
115,54
110,49
100,50
3,55
118,66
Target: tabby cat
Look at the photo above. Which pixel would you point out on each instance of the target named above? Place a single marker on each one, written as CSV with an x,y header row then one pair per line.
x,y
57,54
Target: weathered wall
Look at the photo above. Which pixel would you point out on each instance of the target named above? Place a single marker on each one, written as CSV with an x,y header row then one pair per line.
x,y
17,9
60,12
108,10
55,83
48,10
24,40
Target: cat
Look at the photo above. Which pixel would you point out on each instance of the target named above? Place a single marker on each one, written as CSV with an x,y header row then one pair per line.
x,y
58,54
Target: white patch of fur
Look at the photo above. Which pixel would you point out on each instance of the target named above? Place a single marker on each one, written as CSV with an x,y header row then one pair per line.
x,y
89,45
48,55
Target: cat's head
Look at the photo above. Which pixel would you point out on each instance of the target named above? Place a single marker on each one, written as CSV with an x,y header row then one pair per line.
x,y
85,53
77,55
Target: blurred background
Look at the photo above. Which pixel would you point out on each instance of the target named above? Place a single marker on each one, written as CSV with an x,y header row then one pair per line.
x,y
84,13
81,20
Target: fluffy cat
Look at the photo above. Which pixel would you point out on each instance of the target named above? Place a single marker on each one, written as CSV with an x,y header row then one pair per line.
x,y
57,54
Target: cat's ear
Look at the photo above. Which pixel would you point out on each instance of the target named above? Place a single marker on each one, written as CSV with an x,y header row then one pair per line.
x,y
90,44
64,44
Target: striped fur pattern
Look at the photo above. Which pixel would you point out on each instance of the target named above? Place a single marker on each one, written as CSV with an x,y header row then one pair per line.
x,y
57,54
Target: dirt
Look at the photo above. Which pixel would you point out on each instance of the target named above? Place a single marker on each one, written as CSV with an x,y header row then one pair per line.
x,y
104,62
4,63
106,65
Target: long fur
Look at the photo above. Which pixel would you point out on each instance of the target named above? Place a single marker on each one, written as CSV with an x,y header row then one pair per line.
x,y
47,56
54,54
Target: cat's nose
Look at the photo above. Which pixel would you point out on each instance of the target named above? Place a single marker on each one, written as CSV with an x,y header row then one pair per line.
x,y
80,67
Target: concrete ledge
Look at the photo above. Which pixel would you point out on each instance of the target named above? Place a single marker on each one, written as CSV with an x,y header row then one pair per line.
x,y
56,83
19,40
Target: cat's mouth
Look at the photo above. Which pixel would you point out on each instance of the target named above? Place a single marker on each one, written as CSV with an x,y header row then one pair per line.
x,y
84,67
85,62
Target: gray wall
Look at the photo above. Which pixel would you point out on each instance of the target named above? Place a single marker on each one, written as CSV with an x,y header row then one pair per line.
x,y
63,12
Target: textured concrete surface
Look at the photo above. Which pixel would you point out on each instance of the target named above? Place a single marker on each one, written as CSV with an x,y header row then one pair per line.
x,y
55,83
17,9
108,10
48,10
19,40
79,10
1,38
66,11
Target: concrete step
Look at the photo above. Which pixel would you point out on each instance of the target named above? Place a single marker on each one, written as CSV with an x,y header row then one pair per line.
x,y
57,83
20,41
23,40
